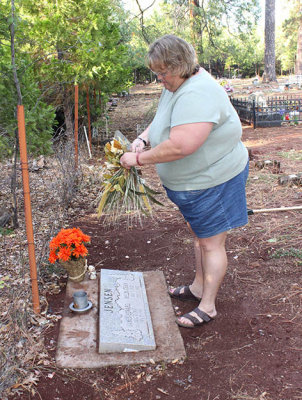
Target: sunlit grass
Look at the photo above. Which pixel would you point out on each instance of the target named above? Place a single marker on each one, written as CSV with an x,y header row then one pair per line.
x,y
296,253
295,155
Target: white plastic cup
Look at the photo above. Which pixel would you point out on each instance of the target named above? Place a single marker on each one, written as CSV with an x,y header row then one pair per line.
x,y
80,299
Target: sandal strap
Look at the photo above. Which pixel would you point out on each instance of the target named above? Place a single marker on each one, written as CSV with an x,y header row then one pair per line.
x,y
205,317
191,318
178,289
186,293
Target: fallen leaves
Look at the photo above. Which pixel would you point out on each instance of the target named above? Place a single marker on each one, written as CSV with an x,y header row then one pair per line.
x,y
3,281
255,264
21,343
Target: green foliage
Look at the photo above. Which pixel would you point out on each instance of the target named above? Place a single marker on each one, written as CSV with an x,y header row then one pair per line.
x,y
211,17
6,231
295,155
287,37
39,115
58,44
169,18
244,54
78,42
296,253
222,32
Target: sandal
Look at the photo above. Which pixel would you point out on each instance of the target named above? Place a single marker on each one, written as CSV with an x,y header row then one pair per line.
x,y
185,295
205,318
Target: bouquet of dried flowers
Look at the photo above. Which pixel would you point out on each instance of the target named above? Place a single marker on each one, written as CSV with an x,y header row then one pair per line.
x,y
124,190
68,245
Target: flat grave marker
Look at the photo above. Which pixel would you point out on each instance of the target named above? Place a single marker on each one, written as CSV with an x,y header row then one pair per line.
x,y
125,323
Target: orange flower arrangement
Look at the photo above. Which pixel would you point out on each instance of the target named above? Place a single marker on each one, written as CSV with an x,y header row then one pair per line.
x,y
68,245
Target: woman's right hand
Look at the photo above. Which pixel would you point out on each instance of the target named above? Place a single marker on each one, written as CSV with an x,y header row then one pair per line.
x,y
137,146
128,160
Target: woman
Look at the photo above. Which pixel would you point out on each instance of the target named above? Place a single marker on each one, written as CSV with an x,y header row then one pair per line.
x,y
195,140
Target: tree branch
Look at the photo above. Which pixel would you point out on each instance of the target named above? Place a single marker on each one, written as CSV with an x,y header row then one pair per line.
x,y
145,35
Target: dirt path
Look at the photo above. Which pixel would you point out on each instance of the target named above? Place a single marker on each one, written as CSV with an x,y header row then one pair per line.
x,y
252,350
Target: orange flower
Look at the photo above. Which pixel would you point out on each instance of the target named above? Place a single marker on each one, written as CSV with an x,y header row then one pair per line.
x,y
73,239
80,251
68,245
64,253
52,257
86,238
55,243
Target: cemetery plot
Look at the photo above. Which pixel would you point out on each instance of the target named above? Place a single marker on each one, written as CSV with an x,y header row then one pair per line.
x,y
261,111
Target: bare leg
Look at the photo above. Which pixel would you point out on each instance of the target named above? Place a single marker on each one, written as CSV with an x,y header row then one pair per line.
x,y
197,286
214,264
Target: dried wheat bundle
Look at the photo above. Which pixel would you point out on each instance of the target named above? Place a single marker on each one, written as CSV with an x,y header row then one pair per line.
x,y
124,190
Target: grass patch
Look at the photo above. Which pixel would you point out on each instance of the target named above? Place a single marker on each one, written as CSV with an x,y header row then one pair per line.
x,y
261,178
295,155
6,231
296,253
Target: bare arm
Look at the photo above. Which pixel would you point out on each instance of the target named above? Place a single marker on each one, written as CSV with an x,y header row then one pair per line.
x,y
183,141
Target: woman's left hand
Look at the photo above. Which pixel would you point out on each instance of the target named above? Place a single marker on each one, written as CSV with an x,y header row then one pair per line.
x,y
137,145
128,160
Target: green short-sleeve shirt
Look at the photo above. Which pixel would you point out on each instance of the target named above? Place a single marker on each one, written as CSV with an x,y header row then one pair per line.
x,y
222,156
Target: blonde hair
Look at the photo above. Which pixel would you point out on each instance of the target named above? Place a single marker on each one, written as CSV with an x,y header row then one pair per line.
x,y
173,53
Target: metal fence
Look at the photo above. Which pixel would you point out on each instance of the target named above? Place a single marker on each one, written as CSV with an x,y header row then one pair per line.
x,y
273,111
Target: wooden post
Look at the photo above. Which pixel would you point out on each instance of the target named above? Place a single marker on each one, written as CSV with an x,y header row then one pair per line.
x,y
100,100
254,115
28,212
76,125
88,117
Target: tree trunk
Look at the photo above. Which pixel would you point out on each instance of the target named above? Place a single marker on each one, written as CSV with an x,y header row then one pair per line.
x,y
14,184
196,26
67,107
299,51
269,57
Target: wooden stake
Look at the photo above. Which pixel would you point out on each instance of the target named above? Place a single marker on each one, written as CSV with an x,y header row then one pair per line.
x,y
87,141
88,117
76,125
251,212
28,212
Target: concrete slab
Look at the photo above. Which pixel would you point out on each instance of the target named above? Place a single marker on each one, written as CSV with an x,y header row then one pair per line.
x,y
77,343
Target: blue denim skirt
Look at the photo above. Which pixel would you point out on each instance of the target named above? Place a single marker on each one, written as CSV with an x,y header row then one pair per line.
x,y
214,210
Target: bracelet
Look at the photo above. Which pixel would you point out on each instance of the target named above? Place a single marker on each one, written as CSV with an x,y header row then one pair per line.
x,y
143,140
137,160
